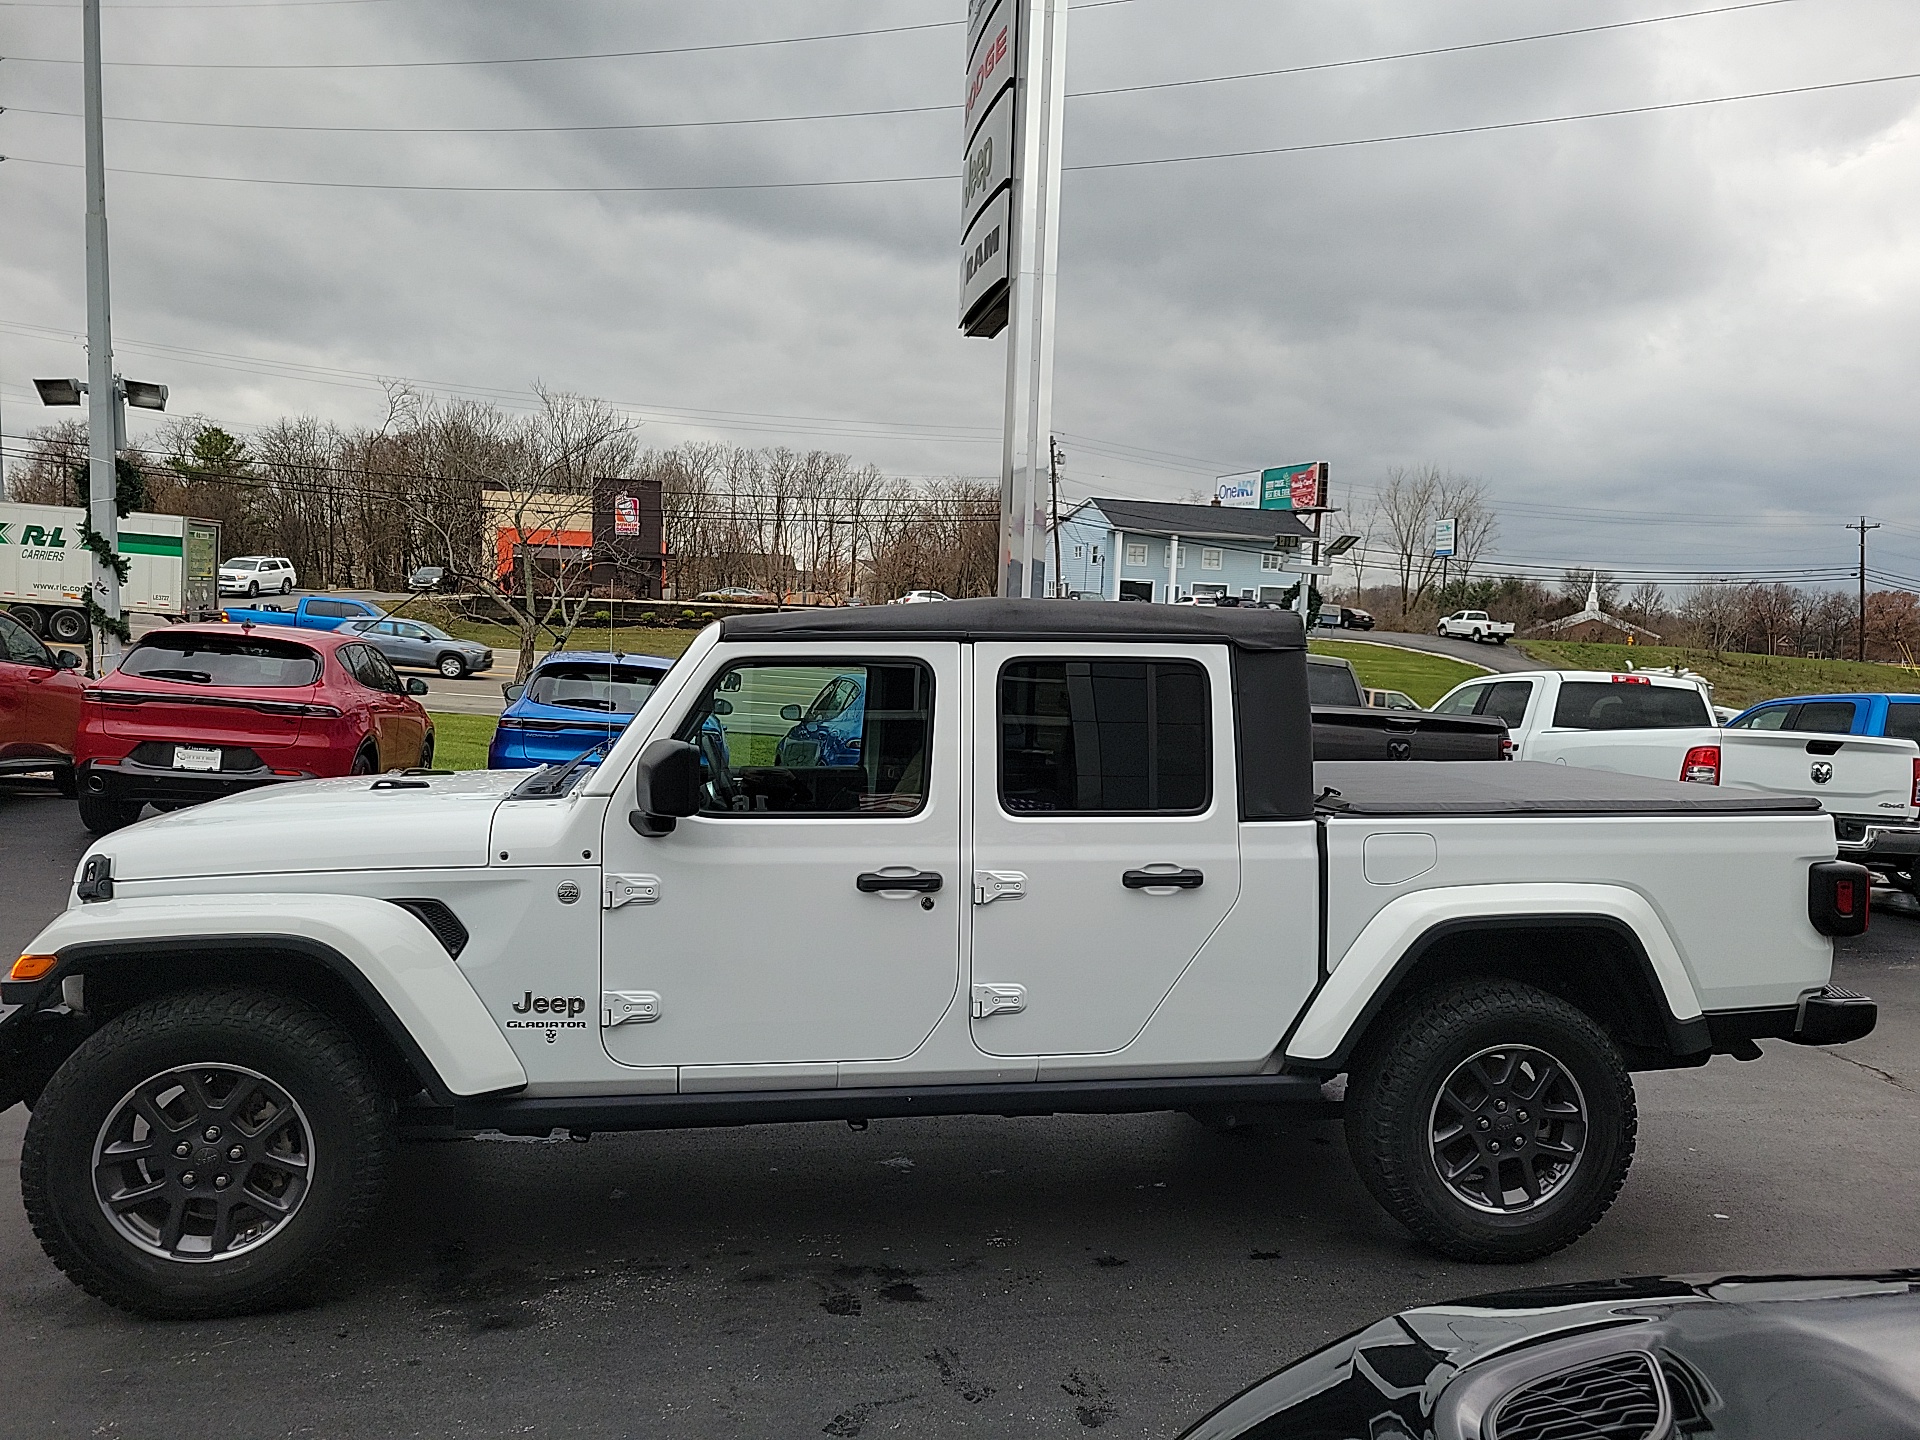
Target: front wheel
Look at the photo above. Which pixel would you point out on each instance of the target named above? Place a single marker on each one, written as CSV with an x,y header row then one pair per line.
x,y
205,1153
253,589
451,666
1493,1120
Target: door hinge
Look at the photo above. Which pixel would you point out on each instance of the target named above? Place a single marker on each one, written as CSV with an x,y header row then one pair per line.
x,y
998,1000
628,1007
992,885
618,890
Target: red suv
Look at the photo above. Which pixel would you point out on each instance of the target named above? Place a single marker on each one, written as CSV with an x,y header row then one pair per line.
x,y
39,705
198,711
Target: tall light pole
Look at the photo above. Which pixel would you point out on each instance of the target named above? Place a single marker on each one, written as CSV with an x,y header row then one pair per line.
x,y
1861,639
103,402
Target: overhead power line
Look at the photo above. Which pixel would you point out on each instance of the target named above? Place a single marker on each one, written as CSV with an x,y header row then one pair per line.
x,y
949,176
896,111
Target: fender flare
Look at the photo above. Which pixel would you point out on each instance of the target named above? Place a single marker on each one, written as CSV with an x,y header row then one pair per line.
x,y
1395,940
389,960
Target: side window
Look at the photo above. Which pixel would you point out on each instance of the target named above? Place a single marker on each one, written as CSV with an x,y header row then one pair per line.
x,y
815,739
1461,701
385,627
1104,736
1831,717
349,658
1507,700
378,674
331,610
1774,717
20,645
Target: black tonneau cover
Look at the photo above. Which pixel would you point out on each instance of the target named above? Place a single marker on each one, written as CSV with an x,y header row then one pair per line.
x,y
1522,787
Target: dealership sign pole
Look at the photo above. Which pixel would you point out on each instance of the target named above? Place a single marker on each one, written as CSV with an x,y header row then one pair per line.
x,y
1010,245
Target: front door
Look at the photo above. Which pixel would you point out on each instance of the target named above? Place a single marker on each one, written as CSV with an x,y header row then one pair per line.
x,y
764,930
1106,838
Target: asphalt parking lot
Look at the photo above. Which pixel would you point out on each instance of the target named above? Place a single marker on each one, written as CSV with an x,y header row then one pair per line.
x,y
1006,1277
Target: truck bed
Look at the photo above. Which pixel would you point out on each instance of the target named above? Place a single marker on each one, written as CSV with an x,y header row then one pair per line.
x,y
1523,787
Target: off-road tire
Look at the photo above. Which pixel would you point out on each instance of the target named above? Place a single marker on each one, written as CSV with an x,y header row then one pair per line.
x,y
1393,1086
102,814
451,666
300,1050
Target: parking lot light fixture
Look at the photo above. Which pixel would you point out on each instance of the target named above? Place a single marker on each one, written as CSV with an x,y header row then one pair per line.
x,y
60,392
144,394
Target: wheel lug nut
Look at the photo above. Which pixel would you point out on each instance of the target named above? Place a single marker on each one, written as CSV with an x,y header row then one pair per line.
x,y
220,1182
187,1177
1523,1117
181,1150
237,1153
1500,1105
1495,1146
213,1133
1485,1123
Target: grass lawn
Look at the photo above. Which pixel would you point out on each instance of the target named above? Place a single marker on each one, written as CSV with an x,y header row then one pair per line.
x,y
1413,672
460,741
1737,680
632,640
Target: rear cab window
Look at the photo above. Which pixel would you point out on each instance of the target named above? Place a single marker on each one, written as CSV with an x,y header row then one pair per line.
x,y
1629,705
1903,720
243,661
1332,685
1832,717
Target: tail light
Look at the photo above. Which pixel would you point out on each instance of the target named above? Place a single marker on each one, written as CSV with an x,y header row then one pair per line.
x,y
1838,897
1702,766
1916,784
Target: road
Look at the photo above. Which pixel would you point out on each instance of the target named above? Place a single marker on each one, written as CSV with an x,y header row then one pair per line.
x,y
1502,658
1007,1277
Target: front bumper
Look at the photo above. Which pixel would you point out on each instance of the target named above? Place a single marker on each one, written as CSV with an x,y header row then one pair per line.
x,y
131,780
1831,1015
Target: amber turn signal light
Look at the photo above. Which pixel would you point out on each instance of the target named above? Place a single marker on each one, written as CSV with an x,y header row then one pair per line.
x,y
33,967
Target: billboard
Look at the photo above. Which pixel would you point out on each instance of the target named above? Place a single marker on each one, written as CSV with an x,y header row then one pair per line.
x,y
1239,491
1443,535
1279,487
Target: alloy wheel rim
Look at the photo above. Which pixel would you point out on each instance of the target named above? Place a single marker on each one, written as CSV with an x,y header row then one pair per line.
x,y
201,1163
1508,1129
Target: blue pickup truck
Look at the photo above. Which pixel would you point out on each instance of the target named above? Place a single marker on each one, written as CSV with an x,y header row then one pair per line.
x,y
314,612
1894,716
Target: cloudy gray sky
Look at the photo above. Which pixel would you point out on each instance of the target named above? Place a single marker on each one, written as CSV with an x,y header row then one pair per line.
x,y
1677,341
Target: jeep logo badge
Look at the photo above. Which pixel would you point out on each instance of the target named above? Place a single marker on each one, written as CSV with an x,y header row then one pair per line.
x,y
1822,771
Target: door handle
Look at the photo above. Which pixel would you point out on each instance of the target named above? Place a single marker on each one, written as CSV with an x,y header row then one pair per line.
x,y
872,882
1154,879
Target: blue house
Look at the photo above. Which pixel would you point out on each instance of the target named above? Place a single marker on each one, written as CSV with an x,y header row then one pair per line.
x,y
1152,550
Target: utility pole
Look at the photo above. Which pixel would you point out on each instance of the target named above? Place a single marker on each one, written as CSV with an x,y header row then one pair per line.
x,y
1054,457
103,397
1863,527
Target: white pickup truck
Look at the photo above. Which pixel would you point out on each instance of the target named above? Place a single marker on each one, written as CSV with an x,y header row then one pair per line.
x,y
1477,626
1043,858
1662,725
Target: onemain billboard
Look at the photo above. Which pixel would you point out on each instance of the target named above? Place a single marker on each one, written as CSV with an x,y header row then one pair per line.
x,y
1279,487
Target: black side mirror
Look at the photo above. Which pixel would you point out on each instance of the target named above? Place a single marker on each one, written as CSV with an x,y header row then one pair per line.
x,y
723,707
66,660
416,686
667,787
789,712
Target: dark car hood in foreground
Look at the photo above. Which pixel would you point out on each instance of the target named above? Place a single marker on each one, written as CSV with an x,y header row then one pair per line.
x,y
1738,1358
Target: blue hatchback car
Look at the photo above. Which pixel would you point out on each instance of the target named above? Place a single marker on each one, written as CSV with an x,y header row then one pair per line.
x,y
830,727
573,700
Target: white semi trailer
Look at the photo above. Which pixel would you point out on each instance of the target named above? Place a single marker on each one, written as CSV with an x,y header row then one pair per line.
x,y
174,564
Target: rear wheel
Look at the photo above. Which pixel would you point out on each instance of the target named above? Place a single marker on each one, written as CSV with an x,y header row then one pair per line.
x,y
101,813
69,627
426,752
29,617
206,1153
1493,1120
286,586
366,762
451,666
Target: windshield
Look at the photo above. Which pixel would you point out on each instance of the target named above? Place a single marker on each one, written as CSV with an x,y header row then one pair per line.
x,y
239,660
243,565
609,689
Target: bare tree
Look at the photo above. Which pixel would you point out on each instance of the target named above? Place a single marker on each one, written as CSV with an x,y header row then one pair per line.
x,y
1405,510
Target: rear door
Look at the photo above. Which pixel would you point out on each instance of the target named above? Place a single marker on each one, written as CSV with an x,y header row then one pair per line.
x,y
399,729
1106,837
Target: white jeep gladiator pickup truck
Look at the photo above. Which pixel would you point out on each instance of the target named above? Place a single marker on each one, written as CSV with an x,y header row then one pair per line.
x,y
1477,626
1036,858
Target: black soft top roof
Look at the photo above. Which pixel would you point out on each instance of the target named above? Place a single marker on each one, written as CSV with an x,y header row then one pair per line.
x,y
1525,787
1245,629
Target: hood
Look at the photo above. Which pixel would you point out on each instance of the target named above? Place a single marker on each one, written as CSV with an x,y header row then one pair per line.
x,y
345,824
1735,1357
